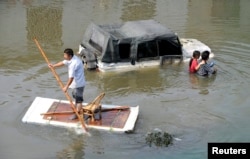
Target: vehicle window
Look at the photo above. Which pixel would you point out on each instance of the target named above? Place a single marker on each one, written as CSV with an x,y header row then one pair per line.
x,y
124,51
170,47
147,49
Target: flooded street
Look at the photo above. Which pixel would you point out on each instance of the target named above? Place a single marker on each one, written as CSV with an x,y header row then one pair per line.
x,y
195,110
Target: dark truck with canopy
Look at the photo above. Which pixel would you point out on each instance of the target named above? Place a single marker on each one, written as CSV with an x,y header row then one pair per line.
x,y
128,45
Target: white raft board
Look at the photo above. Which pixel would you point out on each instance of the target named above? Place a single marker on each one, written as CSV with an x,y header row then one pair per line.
x,y
42,105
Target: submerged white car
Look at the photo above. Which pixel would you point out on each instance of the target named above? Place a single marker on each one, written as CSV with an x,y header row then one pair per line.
x,y
134,44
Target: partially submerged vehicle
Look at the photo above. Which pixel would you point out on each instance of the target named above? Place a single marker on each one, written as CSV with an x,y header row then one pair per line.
x,y
134,44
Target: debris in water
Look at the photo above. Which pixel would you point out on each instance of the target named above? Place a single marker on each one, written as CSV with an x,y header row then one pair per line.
x,y
159,138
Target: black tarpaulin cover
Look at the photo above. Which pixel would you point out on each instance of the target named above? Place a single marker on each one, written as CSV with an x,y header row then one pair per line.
x,y
133,40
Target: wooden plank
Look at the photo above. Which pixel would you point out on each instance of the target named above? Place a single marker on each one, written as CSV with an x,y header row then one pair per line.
x,y
113,118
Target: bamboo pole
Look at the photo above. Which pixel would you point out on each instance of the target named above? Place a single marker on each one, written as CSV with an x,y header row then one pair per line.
x,y
102,110
61,85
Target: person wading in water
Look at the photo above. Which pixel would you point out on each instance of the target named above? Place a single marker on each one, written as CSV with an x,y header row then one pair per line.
x,y
206,68
193,63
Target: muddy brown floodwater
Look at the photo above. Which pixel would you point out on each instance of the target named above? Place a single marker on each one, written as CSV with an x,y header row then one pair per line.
x,y
195,110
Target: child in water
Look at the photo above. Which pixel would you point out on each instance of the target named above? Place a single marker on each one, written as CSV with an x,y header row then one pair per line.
x,y
205,67
193,63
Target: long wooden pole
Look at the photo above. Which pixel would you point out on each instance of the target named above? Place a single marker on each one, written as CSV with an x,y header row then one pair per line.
x,y
102,110
61,85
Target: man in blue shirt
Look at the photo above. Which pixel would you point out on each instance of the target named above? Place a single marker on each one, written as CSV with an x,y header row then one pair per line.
x,y
205,68
76,76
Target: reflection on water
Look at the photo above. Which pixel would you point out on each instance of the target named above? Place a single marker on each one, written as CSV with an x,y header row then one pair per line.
x,y
138,10
225,9
44,23
74,150
201,83
129,82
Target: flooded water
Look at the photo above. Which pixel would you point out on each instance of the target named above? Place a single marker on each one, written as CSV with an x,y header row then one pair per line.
x,y
195,110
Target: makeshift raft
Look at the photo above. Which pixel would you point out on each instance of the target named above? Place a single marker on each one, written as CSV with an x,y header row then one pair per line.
x,y
112,117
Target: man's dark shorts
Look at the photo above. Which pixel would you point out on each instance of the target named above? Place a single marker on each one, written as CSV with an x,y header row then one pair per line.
x,y
77,93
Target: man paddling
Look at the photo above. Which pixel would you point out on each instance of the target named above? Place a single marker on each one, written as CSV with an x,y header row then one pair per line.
x,y
76,79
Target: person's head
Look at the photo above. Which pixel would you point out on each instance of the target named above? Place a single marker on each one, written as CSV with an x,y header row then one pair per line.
x,y
68,54
196,54
205,55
